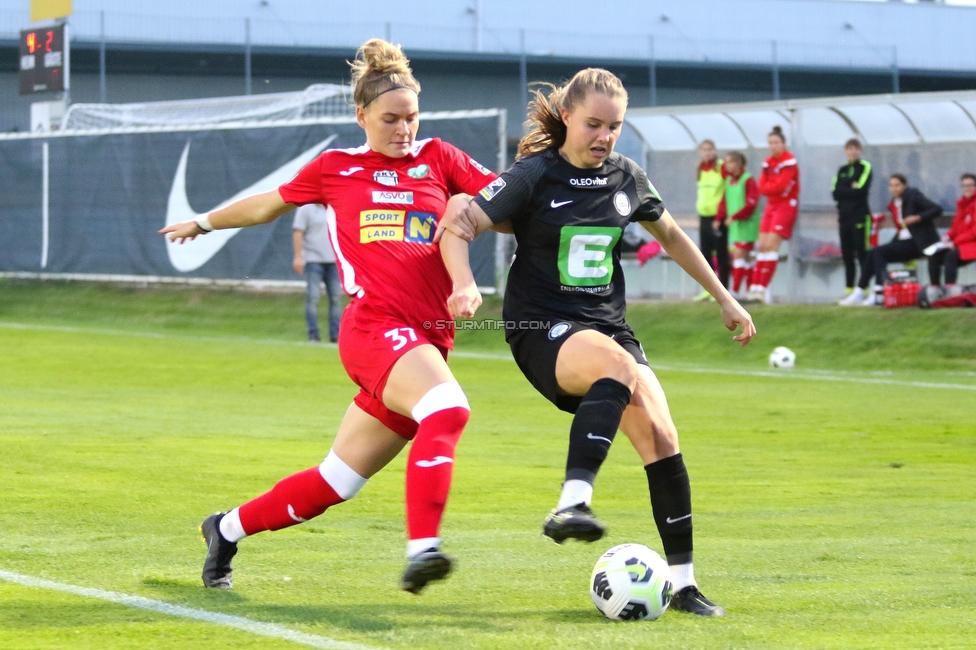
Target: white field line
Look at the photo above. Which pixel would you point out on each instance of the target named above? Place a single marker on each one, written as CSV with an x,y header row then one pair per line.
x,y
781,374
161,607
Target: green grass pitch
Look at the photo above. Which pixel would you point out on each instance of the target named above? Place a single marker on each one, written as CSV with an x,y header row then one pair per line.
x,y
834,505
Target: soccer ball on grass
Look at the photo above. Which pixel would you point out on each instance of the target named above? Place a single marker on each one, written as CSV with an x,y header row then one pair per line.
x,y
631,582
782,358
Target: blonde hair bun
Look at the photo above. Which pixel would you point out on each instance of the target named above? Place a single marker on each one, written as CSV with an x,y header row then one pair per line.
x,y
379,67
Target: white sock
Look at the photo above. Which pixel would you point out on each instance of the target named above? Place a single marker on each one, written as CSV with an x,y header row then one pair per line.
x,y
575,491
682,575
417,546
230,526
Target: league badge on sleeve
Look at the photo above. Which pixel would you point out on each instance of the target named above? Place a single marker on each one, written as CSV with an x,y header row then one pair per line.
x,y
493,188
477,165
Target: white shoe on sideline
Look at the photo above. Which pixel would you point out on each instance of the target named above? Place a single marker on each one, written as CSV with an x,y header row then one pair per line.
x,y
856,297
873,299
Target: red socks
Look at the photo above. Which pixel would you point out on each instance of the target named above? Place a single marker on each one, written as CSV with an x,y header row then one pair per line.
x,y
765,267
740,274
430,466
292,500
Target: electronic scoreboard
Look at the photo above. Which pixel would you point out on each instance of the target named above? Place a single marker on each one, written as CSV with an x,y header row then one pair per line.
x,y
43,60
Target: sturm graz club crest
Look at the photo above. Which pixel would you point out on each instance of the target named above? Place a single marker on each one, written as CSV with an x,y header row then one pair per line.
x,y
558,330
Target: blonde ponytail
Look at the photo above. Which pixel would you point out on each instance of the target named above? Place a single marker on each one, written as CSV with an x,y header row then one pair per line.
x,y
545,127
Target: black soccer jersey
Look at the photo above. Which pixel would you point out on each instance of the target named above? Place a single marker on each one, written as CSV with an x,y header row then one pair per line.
x,y
568,224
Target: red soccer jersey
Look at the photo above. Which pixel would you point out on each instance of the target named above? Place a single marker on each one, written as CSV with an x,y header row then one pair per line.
x,y
780,180
382,214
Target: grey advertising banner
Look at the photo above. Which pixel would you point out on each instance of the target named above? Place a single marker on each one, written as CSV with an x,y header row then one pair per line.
x,y
103,197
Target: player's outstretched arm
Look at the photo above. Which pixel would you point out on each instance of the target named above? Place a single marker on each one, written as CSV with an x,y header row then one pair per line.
x,y
249,211
466,298
683,251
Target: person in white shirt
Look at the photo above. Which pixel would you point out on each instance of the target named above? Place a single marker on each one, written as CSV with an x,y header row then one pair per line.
x,y
315,260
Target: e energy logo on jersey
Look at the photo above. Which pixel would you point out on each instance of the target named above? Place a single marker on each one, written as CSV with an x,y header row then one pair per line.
x,y
396,225
492,188
596,181
586,255
399,198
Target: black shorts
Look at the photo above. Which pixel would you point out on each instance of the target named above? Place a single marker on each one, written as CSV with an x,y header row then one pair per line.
x,y
535,352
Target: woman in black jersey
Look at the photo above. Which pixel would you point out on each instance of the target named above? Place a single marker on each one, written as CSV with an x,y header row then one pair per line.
x,y
567,199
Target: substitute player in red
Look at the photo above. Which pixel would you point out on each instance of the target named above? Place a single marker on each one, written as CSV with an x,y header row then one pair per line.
x,y
780,184
383,201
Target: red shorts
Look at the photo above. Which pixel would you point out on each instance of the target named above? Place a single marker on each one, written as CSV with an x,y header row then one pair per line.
x,y
369,347
779,218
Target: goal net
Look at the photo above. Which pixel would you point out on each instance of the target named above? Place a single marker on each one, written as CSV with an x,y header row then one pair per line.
x,y
316,101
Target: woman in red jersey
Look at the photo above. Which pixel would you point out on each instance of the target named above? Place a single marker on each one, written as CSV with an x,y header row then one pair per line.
x,y
960,241
780,184
383,199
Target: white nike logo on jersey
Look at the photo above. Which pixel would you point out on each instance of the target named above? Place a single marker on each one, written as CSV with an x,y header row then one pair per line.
x,y
191,255
592,437
351,171
291,513
438,460
554,204
676,520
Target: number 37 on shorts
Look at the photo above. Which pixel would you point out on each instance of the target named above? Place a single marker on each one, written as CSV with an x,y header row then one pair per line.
x,y
400,336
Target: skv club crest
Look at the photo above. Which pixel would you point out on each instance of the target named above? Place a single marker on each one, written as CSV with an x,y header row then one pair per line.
x,y
386,177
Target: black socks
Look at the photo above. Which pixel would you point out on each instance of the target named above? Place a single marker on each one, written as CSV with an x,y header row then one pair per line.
x,y
594,427
667,480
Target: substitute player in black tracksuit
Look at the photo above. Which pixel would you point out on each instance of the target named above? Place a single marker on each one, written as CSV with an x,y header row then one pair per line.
x,y
568,199
852,184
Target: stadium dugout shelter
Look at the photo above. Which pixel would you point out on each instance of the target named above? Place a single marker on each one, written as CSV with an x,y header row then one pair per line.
x,y
929,137
85,201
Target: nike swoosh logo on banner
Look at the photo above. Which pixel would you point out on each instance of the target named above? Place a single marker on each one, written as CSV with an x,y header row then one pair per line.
x,y
553,204
606,440
191,255
676,520
351,171
438,460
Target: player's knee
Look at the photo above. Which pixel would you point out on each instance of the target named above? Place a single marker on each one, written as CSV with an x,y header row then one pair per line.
x,y
441,397
344,480
448,404
621,366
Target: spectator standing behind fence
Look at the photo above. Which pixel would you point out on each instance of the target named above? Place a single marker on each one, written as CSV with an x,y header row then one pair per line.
x,y
960,242
315,259
737,212
713,242
914,215
780,184
851,187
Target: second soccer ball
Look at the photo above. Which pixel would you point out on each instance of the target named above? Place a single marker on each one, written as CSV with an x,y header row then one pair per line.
x,y
782,357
